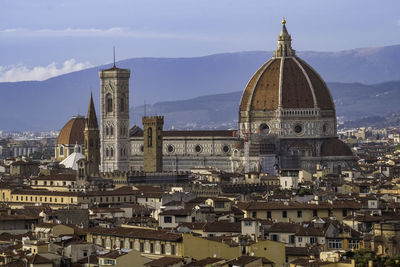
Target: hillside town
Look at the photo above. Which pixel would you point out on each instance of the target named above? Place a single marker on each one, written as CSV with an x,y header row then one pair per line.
x,y
287,188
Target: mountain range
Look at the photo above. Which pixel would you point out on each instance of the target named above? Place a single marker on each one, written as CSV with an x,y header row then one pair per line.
x,y
203,92
356,105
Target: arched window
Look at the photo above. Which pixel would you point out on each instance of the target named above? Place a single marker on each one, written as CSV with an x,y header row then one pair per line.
x,y
111,152
61,150
121,104
109,103
150,137
106,152
111,131
106,130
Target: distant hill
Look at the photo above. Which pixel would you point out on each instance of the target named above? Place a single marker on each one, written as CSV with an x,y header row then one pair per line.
x,y
368,104
50,104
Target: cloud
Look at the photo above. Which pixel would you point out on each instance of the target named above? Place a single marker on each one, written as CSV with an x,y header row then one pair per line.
x,y
16,73
95,32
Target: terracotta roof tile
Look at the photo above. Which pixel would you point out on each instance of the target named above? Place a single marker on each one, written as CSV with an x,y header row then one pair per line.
x,y
164,262
37,259
259,205
222,227
57,177
296,92
113,254
262,91
136,233
248,91
18,217
242,261
203,262
265,95
335,147
282,227
322,94
72,132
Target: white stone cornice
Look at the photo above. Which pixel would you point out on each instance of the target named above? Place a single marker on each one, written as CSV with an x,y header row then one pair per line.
x,y
281,82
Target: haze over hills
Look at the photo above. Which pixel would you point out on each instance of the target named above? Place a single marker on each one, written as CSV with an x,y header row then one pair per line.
x,y
369,104
164,82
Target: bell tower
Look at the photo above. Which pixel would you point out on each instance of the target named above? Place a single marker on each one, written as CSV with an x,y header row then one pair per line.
x,y
92,141
115,148
153,143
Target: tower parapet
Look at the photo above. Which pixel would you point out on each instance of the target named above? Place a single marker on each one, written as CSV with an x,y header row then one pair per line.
x,y
153,119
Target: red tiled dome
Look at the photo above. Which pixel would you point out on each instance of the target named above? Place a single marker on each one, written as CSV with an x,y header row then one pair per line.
x,y
286,81
72,132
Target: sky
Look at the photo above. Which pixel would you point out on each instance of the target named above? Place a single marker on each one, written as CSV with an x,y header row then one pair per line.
x,y
44,38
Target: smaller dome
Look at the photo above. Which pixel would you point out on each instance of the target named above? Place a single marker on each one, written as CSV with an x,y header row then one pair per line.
x,y
335,148
72,132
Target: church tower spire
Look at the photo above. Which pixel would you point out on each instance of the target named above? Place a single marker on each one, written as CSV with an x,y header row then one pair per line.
x,y
284,43
92,140
91,118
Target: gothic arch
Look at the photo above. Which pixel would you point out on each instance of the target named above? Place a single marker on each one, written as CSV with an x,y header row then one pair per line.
x,y
109,103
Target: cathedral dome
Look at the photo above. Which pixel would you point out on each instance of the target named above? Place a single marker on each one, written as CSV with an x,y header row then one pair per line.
x,y
72,132
286,97
287,82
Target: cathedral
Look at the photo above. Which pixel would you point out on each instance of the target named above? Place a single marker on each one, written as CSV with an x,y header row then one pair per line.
x,y
287,121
